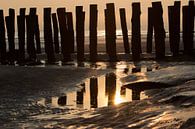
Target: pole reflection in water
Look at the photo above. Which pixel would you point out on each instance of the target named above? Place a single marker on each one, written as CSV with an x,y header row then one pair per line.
x,y
111,87
123,91
98,92
62,101
93,92
80,96
135,94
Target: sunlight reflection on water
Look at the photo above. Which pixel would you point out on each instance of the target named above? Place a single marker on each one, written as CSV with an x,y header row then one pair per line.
x,y
99,91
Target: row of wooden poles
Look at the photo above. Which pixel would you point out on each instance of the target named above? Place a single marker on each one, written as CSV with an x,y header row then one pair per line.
x,y
62,21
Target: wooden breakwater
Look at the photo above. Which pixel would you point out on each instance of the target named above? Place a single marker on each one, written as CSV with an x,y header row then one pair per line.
x,y
59,34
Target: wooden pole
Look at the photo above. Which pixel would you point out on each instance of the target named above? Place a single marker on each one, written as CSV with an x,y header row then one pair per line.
x,y
171,27
48,35
136,33
10,24
187,31
33,12
93,32
70,30
159,31
30,38
93,92
111,31
37,35
61,12
191,19
177,6
124,30
21,35
106,31
2,39
65,47
55,33
174,27
80,20
22,11
150,31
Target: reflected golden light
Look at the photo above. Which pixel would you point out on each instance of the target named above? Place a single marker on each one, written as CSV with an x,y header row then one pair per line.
x,y
118,98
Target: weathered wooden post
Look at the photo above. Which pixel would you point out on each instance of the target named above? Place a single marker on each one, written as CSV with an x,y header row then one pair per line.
x,y
22,11
192,7
10,24
70,29
187,30
21,35
177,6
61,12
124,30
65,47
111,87
80,32
192,16
150,30
48,35
37,35
136,32
93,92
111,31
171,26
159,31
106,31
93,32
55,33
2,39
30,38
33,12
174,27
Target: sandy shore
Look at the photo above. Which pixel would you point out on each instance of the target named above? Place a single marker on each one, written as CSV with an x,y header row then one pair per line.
x,y
171,108
22,87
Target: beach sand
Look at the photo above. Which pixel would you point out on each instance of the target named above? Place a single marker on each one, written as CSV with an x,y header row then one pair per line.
x,y
22,87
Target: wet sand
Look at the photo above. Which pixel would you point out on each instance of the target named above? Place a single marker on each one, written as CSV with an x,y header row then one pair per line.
x,y
24,87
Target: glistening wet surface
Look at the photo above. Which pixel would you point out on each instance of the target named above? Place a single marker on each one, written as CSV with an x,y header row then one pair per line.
x,y
23,103
96,92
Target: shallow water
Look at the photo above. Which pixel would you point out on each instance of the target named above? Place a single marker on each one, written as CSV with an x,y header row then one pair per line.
x,y
101,91
94,93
